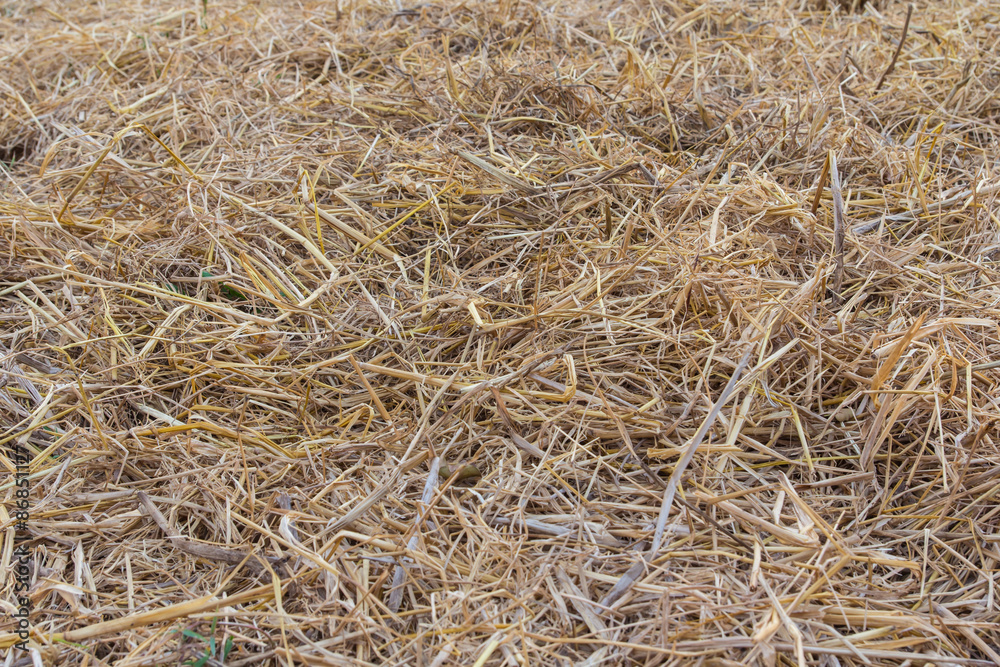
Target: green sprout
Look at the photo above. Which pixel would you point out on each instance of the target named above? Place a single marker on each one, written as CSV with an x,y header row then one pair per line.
x,y
213,654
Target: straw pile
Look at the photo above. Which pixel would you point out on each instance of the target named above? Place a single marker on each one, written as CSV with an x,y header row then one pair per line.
x,y
356,333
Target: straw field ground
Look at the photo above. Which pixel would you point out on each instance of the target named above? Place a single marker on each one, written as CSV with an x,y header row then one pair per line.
x,y
499,333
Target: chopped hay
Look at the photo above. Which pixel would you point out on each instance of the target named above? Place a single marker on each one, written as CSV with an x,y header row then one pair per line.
x,y
502,333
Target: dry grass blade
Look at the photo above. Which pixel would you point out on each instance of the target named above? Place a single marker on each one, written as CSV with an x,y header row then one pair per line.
x,y
838,228
631,575
398,577
899,49
690,449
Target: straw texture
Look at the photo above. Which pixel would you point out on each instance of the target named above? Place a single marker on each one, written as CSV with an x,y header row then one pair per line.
x,y
583,333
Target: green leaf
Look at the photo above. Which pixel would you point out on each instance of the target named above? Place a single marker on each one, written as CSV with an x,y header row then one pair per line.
x,y
227,291
232,293
200,662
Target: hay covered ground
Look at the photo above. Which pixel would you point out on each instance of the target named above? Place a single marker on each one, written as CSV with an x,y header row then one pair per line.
x,y
377,333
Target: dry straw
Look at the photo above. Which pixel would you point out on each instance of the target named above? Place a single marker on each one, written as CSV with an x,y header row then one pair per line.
x,y
378,333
